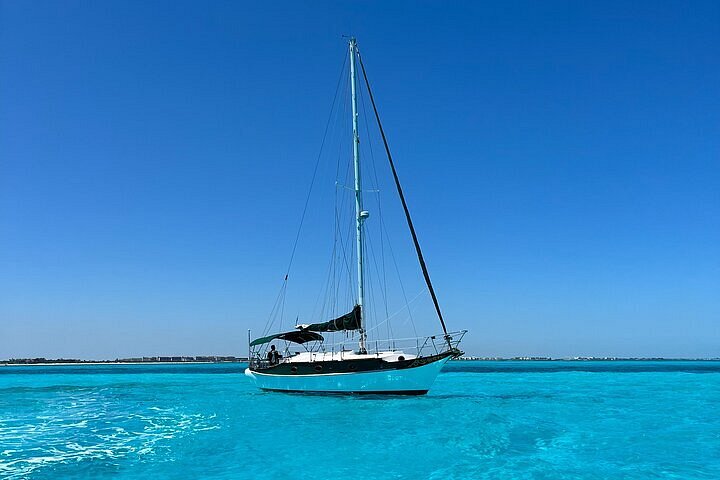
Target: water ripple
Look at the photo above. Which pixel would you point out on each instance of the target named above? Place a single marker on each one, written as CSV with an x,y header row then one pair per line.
x,y
83,425
481,420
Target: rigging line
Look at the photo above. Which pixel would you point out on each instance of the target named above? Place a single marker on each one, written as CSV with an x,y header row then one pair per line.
x,y
330,286
325,289
372,297
339,218
281,294
397,271
337,234
353,256
329,290
374,259
282,309
332,293
386,236
273,312
345,241
404,204
383,284
278,310
342,244
381,274
399,311
317,164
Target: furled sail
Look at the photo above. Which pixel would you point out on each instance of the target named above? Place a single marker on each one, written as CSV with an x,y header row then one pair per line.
x,y
349,321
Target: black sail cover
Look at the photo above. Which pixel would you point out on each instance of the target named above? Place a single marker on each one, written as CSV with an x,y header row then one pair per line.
x,y
349,321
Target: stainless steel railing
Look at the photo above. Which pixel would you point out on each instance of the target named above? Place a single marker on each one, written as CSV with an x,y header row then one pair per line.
x,y
418,346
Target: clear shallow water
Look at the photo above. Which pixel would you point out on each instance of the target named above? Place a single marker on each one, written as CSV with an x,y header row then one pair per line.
x,y
499,420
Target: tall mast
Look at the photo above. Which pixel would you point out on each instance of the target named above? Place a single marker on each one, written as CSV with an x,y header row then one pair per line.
x,y
360,214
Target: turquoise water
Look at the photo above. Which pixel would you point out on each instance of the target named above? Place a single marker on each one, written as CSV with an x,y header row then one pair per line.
x,y
499,420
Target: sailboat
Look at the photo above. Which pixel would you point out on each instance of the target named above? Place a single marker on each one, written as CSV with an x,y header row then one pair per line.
x,y
407,367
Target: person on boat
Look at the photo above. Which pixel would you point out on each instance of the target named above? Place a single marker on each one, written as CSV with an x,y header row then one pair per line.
x,y
273,355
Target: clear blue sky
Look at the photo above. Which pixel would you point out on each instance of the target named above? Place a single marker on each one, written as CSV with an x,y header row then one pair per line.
x,y
562,160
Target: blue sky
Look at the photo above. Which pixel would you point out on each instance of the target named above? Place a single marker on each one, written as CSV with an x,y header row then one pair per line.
x,y
561,160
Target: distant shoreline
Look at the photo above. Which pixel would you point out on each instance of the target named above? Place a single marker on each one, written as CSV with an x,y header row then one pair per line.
x,y
151,360
586,359
90,362
31,363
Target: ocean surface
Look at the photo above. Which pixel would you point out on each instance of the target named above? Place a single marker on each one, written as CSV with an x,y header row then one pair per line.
x,y
481,420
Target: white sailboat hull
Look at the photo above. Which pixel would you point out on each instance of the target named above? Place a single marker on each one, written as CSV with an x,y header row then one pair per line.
x,y
415,380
